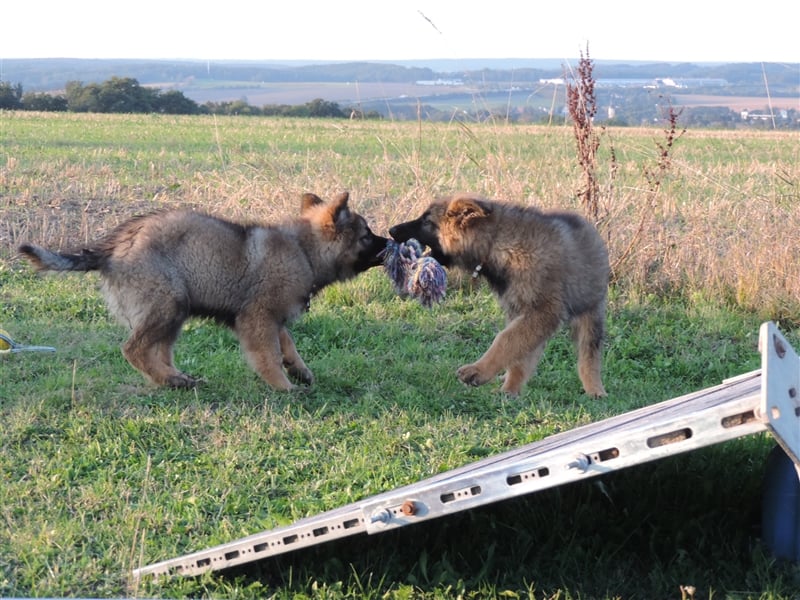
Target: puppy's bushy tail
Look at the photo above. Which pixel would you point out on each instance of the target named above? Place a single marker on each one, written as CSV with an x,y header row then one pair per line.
x,y
46,260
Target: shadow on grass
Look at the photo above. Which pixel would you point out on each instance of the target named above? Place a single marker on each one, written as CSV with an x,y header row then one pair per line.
x,y
639,533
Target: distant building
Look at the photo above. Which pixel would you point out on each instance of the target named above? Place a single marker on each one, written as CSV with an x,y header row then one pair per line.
x,y
746,115
450,82
658,82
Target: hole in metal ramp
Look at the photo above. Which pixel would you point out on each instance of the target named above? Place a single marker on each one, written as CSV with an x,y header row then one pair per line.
x,y
740,419
320,531
605,455
672,437
460,494
527,475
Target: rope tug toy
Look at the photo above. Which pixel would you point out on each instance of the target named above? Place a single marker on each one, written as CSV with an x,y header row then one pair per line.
x,y
413,274
8,345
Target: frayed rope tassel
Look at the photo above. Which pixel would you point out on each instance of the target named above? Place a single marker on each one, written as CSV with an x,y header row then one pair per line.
x,y
413,274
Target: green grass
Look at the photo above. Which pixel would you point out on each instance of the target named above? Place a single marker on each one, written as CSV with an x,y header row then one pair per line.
x,y
102,472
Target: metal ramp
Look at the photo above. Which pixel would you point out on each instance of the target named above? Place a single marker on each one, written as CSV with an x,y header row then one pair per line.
x,y
762,400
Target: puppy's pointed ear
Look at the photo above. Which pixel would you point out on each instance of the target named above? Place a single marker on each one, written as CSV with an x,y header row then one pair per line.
x,y
341,198
309,201
466,211
339,210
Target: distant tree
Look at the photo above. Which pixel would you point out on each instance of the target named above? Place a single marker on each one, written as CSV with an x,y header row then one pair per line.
x,y
295,110
274,110
323,108
237,107
213,108
174,102
83,98
125,95
359,114
44,102
116,95
10,96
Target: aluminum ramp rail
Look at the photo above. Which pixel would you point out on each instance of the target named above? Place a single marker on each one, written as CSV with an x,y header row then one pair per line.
x,y
763,400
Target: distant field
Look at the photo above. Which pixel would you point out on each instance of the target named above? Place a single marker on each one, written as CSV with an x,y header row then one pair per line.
x,y
356,93
736,102
300,93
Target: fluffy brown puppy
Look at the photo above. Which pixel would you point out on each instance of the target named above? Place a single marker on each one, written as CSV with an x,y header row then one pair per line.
x,y
160,269
545,269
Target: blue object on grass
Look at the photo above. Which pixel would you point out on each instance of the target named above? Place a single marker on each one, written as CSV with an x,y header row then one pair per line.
x,y
780,506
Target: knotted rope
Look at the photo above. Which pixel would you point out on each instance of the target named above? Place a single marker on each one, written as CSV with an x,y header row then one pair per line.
x,y
414,274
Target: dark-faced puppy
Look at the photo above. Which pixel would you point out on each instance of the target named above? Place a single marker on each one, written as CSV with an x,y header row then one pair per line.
x,y
158,270
545,269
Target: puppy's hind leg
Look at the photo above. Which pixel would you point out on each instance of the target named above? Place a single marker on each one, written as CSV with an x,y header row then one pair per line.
x,y
587,332
149,349
292,361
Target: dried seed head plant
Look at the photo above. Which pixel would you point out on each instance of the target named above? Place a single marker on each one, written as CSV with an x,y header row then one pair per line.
x,y
582,107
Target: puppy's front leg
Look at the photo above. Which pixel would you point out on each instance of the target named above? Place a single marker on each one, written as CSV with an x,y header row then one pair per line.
x,y
261,342
519,343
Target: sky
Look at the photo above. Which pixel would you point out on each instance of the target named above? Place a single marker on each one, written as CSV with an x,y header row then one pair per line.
x,y
671,30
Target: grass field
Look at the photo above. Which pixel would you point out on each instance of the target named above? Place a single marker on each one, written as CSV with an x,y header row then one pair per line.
x,y
102,472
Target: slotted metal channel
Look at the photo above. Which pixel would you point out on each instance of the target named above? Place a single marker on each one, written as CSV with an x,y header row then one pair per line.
x,y
763,400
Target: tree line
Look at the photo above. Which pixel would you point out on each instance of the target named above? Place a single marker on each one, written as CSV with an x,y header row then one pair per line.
x,y
126,95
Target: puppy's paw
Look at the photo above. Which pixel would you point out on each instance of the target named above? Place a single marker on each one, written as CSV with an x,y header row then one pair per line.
x,y
301,375
182,381
472,375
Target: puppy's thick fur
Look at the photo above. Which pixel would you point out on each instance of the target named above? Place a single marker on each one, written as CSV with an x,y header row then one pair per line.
x,y
545,268
158,270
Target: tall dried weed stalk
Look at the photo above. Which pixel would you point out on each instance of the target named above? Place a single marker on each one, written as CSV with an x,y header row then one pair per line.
x,y
582,107
654,178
